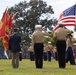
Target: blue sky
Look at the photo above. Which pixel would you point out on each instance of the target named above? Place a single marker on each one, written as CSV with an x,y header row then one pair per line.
x,y
57,5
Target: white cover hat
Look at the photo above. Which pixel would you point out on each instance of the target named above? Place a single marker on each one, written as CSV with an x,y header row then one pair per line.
x,y
38,26
49,42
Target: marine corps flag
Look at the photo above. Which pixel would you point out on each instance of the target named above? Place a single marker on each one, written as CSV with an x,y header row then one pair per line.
x,y
2,24
8,27
10,21
2,29
6,37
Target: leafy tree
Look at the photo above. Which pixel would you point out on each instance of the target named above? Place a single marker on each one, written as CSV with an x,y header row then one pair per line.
x,y
27,15
50,38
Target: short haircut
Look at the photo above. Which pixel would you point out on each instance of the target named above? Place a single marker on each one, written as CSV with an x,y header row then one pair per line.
x,y
61,25
15,29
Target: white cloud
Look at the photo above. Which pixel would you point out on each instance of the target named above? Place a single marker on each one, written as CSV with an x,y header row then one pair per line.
x,y
57,5
60,5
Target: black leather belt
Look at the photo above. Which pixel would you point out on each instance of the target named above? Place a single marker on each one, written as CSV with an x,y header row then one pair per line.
x,y
60,40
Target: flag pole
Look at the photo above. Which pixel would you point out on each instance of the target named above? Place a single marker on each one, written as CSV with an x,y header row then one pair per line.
x,y
75,17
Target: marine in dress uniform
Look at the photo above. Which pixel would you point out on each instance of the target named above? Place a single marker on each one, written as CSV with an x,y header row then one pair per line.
x,y
56,53
60,38
45,53
69,51
49,51
37,42
31,52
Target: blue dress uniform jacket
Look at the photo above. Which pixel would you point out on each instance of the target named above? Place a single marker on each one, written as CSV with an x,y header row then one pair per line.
x,y
14,43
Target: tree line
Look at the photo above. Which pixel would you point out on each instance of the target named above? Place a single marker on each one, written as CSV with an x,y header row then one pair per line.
x,y
28,14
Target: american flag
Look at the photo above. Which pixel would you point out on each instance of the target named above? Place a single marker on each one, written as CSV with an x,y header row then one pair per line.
x,y
67,17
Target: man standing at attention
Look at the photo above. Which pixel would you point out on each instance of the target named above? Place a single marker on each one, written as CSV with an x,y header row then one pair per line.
x,y
37,42
49,50
14,46
60,38
31,52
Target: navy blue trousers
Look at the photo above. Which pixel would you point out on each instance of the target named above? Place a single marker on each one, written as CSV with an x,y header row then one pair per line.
x,y
45,56
49,55
32,56
69,56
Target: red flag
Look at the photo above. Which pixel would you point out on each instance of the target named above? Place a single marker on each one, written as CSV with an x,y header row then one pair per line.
x,y
8,27
10,21
5,22
5,42
2,29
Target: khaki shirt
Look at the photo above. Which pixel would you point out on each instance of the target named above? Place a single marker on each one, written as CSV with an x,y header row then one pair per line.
x,y
69,42
49,48
45,48
55,50
37,37
61,33
30,49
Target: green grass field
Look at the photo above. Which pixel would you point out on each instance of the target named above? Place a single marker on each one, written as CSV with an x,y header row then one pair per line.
x,y
27,67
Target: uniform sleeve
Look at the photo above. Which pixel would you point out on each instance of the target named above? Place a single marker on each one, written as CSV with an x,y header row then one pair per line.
x,y
52,47
29,49
46,34
32,37
54,35
67,41
68,31
72,40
